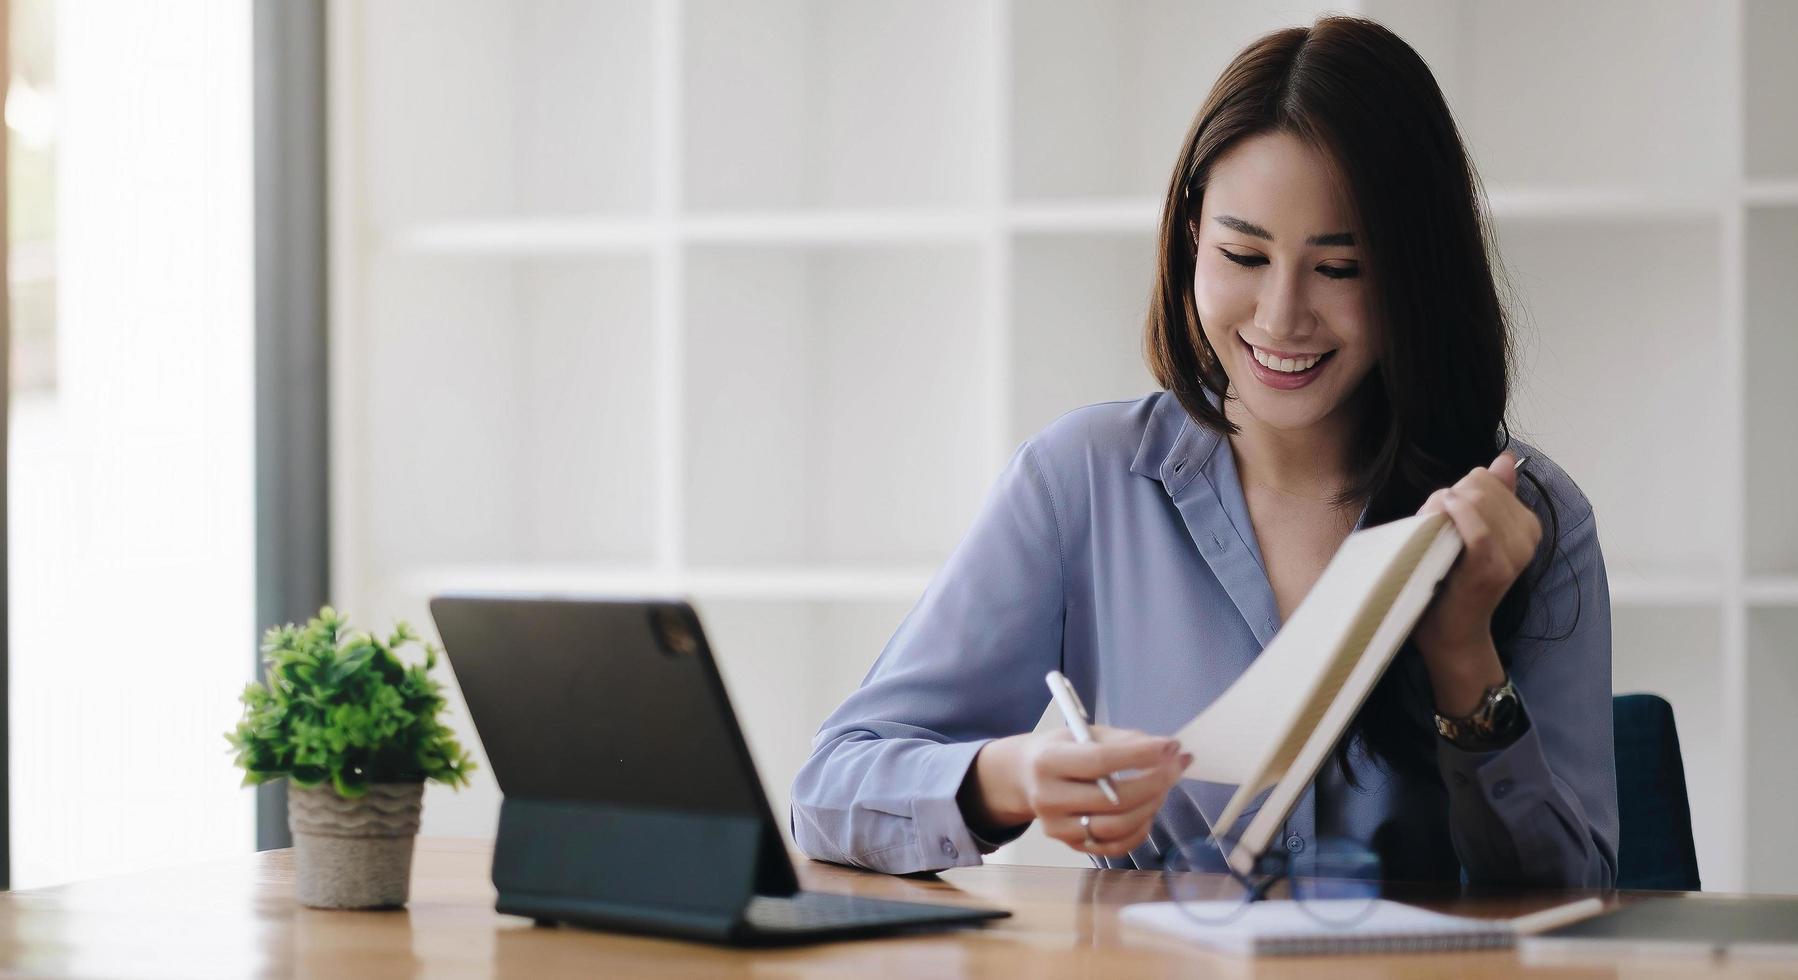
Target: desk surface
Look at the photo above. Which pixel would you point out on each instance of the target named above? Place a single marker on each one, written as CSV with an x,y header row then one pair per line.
x,y
238,918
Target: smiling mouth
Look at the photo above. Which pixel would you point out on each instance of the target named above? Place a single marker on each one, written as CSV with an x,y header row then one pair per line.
x,y
1286,362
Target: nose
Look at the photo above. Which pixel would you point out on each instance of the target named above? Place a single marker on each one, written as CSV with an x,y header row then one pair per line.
x,y
1283,311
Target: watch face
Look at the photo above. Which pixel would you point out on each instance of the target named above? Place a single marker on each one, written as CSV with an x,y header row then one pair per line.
x,y
1495,719
1504,712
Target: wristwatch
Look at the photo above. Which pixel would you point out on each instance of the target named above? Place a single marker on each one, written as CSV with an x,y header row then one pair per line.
x,y
1496,723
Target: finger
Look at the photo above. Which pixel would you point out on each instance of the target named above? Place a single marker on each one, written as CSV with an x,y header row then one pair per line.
x,y
1106,735
1122,842
1434,504
1089,762
1486,483
1515,528
1484,551
1496,503
1476,533
1151,784
1143,752
1127,829
1068,830
1060,797
1076,796
1505,468
1064,828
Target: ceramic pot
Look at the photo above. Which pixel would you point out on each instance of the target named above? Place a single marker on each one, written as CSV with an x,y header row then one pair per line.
x,y
353,854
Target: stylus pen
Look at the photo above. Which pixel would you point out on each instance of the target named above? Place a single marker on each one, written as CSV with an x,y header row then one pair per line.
x,y
1074,713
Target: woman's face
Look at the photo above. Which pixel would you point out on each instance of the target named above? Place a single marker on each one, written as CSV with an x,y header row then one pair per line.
x,y
1278,282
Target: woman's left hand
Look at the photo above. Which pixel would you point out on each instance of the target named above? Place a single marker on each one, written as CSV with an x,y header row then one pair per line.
x,y
1499,537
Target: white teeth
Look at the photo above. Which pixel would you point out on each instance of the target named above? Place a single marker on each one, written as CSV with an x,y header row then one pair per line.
x,y
1288,365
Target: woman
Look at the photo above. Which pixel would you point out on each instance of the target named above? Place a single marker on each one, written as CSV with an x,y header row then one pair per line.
x,y
1334,354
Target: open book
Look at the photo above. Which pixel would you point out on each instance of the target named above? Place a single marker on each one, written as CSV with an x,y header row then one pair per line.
x,y
1277,724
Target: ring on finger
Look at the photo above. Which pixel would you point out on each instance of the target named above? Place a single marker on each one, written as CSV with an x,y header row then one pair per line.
x,y
1086,827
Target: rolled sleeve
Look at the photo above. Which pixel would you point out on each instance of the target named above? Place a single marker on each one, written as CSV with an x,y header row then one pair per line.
x,y
1543,810
904,817
965,666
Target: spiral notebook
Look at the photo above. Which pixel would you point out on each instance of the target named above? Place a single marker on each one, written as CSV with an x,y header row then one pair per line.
x,y
1282,928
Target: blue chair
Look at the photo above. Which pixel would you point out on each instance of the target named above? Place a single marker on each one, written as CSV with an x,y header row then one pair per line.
x,y
1655,821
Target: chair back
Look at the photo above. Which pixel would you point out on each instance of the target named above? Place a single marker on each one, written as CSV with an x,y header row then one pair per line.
x,y
1655,848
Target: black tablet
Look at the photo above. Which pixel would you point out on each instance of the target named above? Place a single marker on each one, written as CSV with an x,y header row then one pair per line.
x,y
631,800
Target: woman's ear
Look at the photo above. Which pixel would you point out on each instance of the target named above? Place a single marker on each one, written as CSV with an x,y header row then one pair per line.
x,y
1192,234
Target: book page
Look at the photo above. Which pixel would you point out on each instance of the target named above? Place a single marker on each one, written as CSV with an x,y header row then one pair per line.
x,y
1294,773
1250,734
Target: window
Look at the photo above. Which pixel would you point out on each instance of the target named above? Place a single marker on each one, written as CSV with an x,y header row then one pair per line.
x,y
131,533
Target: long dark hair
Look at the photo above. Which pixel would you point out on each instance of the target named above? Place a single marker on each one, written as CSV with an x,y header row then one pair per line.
x,y
1433,406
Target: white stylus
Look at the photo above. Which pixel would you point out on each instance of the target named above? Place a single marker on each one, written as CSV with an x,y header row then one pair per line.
x,y
1074,713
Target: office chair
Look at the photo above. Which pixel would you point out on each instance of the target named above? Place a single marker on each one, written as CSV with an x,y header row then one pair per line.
x,y
1655,848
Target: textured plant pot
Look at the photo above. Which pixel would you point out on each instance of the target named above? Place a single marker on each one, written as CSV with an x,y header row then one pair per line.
x,y
353,854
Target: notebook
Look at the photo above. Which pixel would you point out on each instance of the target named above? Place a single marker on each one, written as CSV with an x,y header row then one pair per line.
x,y
1282,928
1277,724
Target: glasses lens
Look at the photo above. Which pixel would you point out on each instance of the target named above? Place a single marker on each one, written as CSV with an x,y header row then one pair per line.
x,y
1201,884
1336,882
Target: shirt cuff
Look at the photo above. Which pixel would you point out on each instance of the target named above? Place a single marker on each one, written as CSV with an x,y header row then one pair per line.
x,y
1509,779
1499,796
943,838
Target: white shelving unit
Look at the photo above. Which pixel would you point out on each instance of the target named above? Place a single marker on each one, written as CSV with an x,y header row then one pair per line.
x,y
829,390
751,302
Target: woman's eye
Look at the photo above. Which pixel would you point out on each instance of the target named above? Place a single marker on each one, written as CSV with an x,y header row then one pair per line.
x,y
1250,261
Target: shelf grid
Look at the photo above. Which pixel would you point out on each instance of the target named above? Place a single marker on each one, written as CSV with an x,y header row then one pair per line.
x,y
968,165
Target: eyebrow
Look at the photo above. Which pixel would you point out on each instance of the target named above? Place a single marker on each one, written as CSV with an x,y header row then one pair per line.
x,y
1250,228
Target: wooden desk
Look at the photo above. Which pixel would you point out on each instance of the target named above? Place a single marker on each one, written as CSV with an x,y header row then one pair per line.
x,y
237,918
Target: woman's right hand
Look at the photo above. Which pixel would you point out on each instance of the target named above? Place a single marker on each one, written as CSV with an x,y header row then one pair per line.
x,y
1050,777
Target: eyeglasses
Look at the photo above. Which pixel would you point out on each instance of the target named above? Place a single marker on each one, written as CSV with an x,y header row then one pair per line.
x,y
1335,881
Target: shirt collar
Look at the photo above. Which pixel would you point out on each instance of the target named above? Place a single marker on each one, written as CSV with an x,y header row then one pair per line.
x,y
1197,470
1174,448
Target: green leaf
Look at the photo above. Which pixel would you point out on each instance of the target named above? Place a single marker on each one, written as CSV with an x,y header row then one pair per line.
x,y
341,706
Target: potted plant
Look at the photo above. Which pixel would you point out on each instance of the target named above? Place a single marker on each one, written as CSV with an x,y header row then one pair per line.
x,y
356,733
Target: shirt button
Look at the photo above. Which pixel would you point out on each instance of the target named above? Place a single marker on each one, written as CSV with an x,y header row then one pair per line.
x,y
949,848
1295,844
1501,789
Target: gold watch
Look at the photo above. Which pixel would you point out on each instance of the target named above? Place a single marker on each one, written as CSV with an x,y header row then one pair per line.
x,y
1496,723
